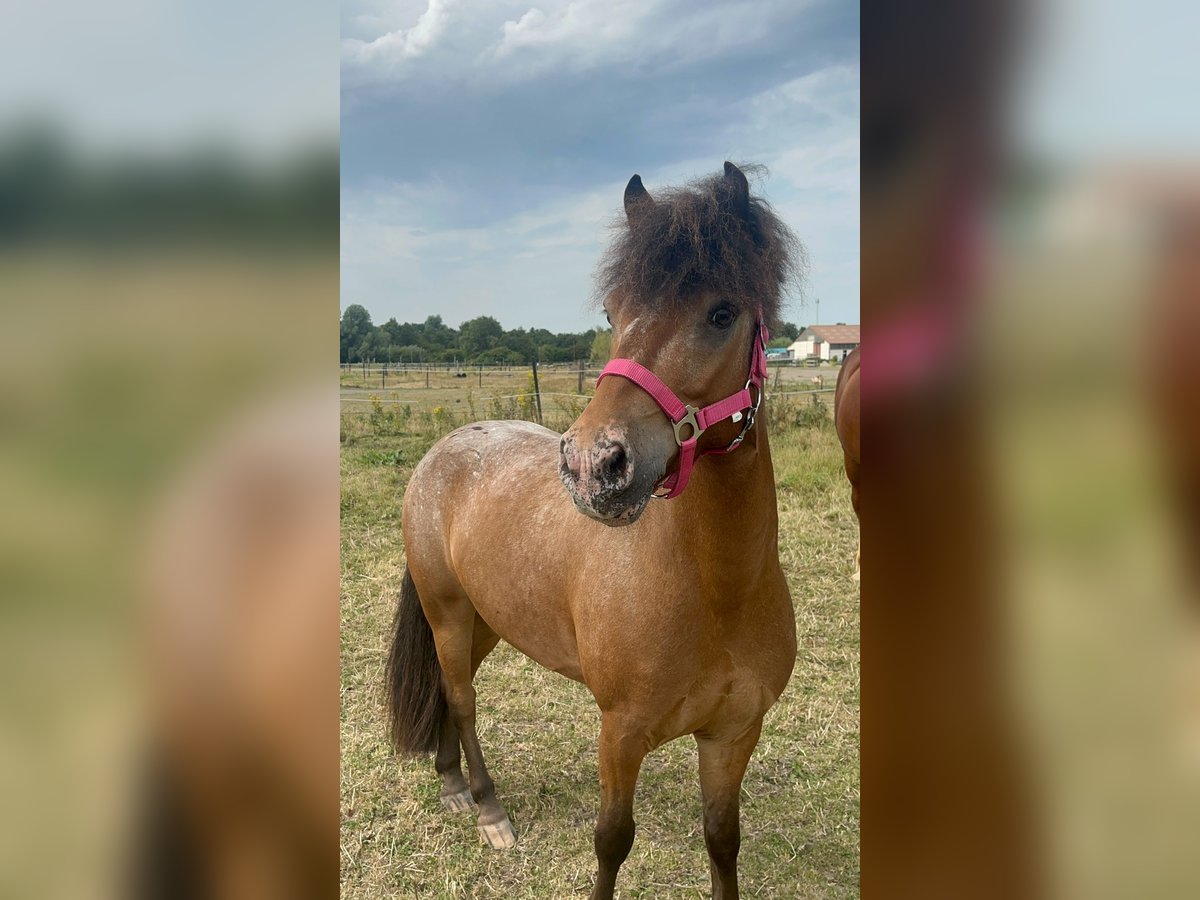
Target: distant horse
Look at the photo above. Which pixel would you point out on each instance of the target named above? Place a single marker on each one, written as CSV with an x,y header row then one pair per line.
x,y
679,624
847,420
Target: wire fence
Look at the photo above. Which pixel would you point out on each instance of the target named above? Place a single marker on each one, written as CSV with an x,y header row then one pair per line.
x,y
552,394
346,398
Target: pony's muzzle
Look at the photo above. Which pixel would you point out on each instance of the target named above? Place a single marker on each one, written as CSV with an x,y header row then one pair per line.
x,y
602,468
599,475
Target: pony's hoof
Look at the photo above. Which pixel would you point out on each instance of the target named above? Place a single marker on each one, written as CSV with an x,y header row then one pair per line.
x,y
460,802
500,836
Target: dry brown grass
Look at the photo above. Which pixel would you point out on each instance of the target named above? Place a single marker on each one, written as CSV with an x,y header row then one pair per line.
x,y
539,730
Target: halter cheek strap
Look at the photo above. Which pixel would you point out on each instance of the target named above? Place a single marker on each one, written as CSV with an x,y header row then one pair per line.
x,y
689,422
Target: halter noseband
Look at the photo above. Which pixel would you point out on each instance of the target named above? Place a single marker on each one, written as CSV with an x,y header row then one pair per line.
x,y
684,416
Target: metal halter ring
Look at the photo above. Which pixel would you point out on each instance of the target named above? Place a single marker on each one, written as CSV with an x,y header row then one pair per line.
x,y
689,418
750,416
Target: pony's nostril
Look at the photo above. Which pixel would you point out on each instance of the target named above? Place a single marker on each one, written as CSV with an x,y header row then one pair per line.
x,y
618,460
613,461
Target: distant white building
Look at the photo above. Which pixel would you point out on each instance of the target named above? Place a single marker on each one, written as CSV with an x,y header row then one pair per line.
x,y
825,342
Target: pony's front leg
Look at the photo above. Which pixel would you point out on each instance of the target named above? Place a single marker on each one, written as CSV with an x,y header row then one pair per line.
x,y
722,764
622,750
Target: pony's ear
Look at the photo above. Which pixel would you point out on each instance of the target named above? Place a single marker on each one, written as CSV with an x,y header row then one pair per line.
x,y
739,189
637,199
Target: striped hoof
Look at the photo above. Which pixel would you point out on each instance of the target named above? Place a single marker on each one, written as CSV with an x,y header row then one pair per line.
x,y
500,836
460,802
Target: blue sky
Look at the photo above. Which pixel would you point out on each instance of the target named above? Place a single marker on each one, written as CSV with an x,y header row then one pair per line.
x,y
485,144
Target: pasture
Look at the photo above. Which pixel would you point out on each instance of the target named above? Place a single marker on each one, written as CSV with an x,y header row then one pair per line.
x,y
539,729
494,391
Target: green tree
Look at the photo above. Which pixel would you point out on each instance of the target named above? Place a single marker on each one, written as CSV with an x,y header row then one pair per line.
x,y
356,328
479,335
399,335
517,342
380,346
436,336
601,347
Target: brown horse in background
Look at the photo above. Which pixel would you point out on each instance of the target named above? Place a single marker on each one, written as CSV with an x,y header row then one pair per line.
x,y
680,622
847,419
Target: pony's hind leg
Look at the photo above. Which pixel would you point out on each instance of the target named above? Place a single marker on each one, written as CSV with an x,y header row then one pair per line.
x,y
460,652
493,823
456,791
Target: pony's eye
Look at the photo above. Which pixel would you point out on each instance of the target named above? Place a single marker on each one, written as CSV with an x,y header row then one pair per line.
x,y
608,318
722,317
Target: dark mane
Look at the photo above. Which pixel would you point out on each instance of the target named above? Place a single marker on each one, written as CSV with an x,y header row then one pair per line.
x,y
693,238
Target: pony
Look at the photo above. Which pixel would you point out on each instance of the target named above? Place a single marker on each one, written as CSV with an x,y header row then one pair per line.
x,y
847,420
674,612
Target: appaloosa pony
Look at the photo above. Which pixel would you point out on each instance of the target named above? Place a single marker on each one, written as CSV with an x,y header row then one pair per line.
x,y
679,622
847,419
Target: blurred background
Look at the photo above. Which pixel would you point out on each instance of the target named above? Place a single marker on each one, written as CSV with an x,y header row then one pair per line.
x,y
168,562
1031,290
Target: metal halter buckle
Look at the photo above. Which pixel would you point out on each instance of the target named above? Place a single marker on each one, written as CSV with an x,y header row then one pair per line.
x,y
689,418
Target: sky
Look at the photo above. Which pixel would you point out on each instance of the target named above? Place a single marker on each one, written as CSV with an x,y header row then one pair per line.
x,y
1087,92
255,77
485,144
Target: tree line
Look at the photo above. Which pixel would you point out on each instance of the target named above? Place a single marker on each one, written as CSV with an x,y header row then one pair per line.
x,y
50,191
479,341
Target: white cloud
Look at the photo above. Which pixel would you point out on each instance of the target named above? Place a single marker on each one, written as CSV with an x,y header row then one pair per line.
x,y
829,94
587,26
490,42
820,150
403,43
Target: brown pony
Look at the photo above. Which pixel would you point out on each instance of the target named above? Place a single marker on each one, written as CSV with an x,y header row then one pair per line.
x,y
847,419
678,623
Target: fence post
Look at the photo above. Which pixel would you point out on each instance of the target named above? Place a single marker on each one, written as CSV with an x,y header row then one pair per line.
x,y
427,377
580,391
481,374
537,393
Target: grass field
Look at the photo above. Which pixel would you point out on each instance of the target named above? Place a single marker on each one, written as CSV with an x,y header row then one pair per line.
x,y
539,730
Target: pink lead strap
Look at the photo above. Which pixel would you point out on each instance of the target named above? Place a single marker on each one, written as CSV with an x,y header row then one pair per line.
x,y
684,417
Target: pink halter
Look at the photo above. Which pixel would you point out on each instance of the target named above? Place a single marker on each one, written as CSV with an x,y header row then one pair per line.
x,y
682,415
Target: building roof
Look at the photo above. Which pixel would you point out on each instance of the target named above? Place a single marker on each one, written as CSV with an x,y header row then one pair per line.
x,y
832,334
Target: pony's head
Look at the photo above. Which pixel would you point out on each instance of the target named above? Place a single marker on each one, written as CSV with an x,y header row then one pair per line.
x,y
683,285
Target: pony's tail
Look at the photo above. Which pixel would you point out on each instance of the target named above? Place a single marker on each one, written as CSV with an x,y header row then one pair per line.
x,y
416,701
